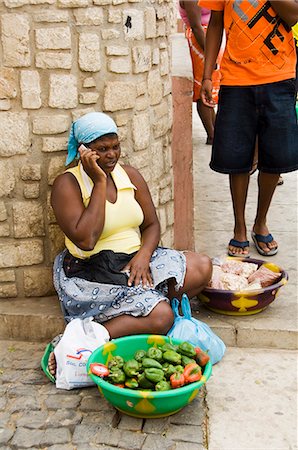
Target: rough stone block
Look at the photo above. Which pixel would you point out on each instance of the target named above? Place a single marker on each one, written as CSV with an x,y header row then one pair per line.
x,y
110,33
141,88
52,124
21,253
54,144
58,38
88,16
161,212
51,16
114,16
63,91
121,119
18,3
31,172
31,190
15,40
56,241
142,103
166,195
102,2
88,98
7,275
119,95
167,87
122,133
119,65
56,167
117,50
80,112
155,56
156,151
141,56
8,83
4,229
133,24
5,105
72,3
30,89
161,28
89,52
53,60
3,211
150,23
139,160
28,224
8,290
154,87
7,178
38,282
164,63
89,82
167,240
50,213
14,132
170,213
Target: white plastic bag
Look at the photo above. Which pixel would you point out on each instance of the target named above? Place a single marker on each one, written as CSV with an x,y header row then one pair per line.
x,y
80,338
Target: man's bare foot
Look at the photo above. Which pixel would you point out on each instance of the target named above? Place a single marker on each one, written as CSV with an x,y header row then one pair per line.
x,y
52,364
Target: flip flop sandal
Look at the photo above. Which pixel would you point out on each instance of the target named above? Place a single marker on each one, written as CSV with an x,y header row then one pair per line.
x,y
238,244
265,239
45,362
45,358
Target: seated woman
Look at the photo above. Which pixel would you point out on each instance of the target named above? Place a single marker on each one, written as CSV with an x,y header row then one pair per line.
x,y
112,268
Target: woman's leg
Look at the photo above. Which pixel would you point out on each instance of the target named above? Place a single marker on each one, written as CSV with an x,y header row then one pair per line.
x,y
207,117
159,321
198,274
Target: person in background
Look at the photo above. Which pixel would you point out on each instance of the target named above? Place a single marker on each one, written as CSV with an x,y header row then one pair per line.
x,y
113,268
196,20
256,102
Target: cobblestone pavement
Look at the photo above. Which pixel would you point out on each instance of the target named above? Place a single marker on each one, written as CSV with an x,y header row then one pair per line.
x,y
34,414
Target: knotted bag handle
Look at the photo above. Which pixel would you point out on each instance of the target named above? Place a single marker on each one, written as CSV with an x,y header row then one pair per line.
x,y
185,306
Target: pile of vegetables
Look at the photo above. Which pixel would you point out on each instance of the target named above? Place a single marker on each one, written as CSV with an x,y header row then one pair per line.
x,y
159,368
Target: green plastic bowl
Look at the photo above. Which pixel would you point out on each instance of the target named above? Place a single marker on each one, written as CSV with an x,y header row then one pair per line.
x,y
137,403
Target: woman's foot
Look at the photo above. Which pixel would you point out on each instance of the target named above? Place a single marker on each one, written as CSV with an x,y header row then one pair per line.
x,y
52,366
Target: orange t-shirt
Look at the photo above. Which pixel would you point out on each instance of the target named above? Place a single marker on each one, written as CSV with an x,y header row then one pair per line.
x,y
259,44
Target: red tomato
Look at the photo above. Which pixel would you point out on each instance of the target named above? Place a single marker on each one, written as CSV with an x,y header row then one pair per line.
x,y
99,370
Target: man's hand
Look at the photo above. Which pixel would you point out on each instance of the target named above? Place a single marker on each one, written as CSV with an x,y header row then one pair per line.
x,y
206,93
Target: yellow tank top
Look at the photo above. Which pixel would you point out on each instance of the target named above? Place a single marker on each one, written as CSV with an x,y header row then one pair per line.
x,y
121,231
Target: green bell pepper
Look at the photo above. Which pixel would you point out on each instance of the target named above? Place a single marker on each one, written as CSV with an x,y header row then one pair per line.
x,y
172,357
162,386
116,363
179,369
131,383
144,383
150,362
153,374
168,369
185,348
186,360
117,376
131,368
154,353
168,346
139,355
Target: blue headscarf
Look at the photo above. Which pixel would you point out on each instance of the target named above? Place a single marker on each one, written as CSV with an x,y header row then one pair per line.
x,y
86,129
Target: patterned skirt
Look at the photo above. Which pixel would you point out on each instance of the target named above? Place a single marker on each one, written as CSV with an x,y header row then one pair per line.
x,y
82,298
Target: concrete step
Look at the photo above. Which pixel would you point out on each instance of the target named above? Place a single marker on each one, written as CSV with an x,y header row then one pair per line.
x,y
31,319
40,319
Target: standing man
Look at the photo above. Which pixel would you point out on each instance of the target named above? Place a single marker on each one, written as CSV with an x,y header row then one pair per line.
x,y
256,101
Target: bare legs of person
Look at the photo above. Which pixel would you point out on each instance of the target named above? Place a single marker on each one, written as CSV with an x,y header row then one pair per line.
x,y
207,116
160,320
239,186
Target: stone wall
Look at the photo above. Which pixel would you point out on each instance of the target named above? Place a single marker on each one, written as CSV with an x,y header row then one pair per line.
x,y
60,59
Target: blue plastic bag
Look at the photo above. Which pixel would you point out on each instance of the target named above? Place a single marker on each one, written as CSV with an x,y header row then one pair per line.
x,y
186,328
